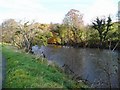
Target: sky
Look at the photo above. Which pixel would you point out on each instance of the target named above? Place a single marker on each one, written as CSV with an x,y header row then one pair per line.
x,y
47,11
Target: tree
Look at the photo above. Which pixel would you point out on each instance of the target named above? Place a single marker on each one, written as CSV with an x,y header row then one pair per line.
x,y
63,33
8,28
28,35
23,36
103,27
73,19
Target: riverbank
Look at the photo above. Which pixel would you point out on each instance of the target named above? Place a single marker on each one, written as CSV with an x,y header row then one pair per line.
x,y
92,65
113,45
23,70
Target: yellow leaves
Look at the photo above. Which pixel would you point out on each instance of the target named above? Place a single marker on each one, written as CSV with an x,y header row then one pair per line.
x,y
58,40
50,33
54,40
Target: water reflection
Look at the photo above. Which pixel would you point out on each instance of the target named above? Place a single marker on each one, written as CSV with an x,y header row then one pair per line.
x,y
100,67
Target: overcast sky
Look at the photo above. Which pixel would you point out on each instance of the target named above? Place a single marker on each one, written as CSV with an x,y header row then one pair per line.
x,y
46,11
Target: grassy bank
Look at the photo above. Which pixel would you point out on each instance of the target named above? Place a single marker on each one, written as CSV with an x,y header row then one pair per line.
x,y
25,71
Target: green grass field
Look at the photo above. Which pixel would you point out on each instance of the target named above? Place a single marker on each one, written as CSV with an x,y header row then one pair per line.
x,y
25,71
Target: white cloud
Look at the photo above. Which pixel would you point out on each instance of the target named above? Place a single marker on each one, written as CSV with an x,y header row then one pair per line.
x,y
24,9
35,9
21,4
101,8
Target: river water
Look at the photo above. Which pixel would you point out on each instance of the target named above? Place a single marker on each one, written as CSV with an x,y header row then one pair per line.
x,y
99,67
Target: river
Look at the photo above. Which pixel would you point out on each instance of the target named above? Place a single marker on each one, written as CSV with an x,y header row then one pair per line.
x,y
99,67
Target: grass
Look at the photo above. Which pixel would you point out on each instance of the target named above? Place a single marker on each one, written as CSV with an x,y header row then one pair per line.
x,y
25,71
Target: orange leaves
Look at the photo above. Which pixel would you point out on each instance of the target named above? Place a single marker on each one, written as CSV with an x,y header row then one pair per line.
x,y
54,40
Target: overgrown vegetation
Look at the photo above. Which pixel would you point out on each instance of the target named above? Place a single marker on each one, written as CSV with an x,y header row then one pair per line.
x,y
24,71
101,34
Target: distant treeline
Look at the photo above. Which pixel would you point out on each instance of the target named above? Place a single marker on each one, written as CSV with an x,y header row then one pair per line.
x,y
103,33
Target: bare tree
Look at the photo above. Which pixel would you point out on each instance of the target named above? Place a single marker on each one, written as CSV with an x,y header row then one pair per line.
x,y
73,18
24,36
8,28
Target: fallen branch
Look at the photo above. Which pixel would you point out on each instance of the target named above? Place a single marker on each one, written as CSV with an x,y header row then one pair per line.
x,y
116,45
